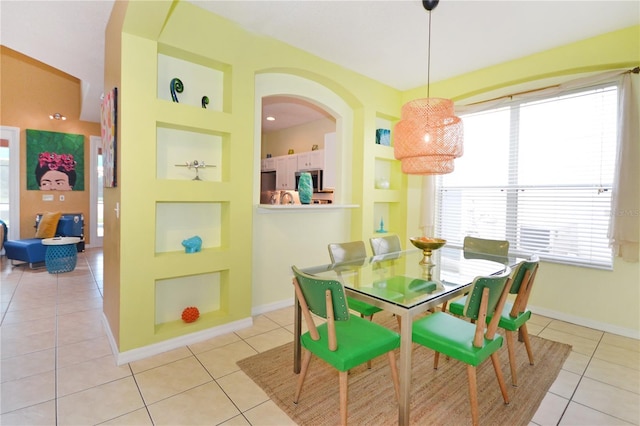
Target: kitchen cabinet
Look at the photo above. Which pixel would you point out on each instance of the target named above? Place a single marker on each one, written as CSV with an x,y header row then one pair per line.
x,y
286,167
268,164
312,160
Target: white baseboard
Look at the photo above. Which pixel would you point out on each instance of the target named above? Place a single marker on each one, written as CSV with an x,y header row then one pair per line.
x,y
167,345
263,309
586,322
189,339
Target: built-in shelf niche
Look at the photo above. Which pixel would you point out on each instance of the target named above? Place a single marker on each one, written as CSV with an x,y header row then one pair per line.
x,y
176,222
178,146
198,80
384,122
383,175
381,211
174,294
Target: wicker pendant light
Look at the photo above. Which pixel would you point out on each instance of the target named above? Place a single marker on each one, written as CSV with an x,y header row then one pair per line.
x,y
429,135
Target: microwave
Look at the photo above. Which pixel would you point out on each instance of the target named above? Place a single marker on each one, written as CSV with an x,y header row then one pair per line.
x,y
316,178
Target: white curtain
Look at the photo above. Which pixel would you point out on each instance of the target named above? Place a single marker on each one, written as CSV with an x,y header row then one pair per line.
x,y
624,227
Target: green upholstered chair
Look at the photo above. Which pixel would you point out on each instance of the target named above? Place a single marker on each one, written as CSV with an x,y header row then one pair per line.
x,y
482,248
514,315
348,252
385,245
465,341
344,341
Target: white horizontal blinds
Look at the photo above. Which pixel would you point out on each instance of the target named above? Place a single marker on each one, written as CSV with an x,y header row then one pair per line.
x,y
472,200
538,174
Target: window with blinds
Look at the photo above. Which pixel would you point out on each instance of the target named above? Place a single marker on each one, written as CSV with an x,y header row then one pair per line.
x,y
538,174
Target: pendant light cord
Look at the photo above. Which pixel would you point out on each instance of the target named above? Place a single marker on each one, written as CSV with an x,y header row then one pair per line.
x,y
429,54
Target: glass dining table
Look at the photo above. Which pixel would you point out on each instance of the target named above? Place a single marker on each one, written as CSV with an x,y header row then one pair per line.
x,y
400,284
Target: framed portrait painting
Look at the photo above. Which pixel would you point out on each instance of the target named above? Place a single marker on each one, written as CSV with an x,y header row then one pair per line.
x,y
108,125
55,161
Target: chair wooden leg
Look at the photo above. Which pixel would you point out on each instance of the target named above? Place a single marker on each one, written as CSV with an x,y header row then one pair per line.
x,y
473,394
343,397
303,372
496,366
512,356
394,373
370,318
436,357
527,344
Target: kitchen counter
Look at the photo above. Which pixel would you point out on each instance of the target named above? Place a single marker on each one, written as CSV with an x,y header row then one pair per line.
x,y
274,208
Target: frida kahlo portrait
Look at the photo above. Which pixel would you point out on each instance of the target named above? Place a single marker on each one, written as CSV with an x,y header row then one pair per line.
x,y
55,161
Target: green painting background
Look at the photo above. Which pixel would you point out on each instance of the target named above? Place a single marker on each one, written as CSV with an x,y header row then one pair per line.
x,y
61,143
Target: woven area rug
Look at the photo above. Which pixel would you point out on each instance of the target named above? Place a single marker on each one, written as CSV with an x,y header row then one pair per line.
x,y
438,397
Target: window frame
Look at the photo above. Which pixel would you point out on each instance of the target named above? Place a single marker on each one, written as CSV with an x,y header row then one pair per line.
x,y
513,225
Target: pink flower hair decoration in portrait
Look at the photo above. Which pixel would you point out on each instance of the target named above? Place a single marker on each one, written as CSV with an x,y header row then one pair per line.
x,y
62,162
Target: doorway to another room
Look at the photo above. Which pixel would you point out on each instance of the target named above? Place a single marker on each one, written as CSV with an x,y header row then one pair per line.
x,y
96,224
10,180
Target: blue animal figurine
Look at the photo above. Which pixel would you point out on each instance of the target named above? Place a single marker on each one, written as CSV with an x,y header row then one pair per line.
x,y
192,245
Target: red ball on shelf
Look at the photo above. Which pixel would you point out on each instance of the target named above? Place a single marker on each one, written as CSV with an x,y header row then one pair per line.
x,y
190,314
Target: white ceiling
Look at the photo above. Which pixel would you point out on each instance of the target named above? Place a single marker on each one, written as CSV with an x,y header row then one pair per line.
x,y
385,39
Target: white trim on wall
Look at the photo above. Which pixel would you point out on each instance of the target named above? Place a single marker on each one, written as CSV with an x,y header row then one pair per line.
x,y
585,322
12,134
94,143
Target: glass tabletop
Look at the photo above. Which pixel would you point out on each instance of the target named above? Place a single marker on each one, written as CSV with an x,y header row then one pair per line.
x,y
401,279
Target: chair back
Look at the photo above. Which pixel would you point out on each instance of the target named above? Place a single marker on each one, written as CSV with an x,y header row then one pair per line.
x,y
482,248
314,292
346,252
486,297
495,284
384,245
522,284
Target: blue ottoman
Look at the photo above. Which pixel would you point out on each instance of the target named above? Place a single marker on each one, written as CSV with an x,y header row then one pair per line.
x,y
29,250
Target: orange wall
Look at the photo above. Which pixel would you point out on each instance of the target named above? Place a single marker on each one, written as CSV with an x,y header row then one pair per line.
x,y
29,92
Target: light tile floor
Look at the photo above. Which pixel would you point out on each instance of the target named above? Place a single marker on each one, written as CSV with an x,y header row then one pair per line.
x,y
57,367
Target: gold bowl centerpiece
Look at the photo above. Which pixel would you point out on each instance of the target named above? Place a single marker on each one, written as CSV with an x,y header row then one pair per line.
x,y
427,245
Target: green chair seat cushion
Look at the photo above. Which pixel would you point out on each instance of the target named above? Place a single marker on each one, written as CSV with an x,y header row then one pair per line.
x,y
359,341
453,336
506,322
457,307
362,307
512,324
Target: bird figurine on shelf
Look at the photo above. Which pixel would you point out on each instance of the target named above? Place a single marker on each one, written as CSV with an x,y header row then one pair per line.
x,y
195,164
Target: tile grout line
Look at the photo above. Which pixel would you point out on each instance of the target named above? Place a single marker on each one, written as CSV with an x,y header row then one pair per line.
x,y
575,389
55,356
219,385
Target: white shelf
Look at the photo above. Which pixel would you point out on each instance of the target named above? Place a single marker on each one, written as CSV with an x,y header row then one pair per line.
x,y
175,294
176,222
181,146
198,81
285,208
